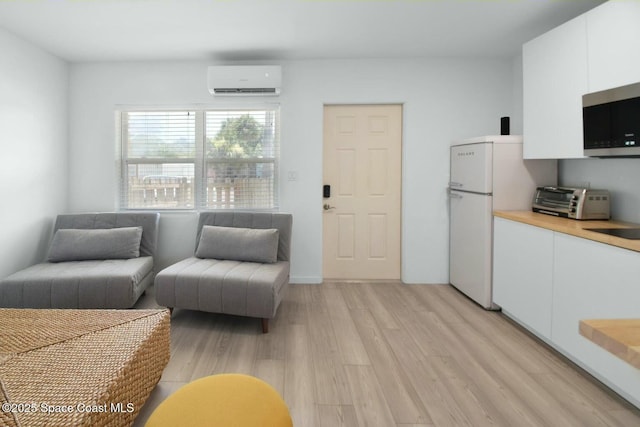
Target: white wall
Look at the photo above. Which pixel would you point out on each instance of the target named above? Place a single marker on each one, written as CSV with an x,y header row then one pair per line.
x,y
518,96
33,150
444,99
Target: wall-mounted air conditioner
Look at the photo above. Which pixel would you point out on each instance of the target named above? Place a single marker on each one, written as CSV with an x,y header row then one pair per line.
x,y
244,80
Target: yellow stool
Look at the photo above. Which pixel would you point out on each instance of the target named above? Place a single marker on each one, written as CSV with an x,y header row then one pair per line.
x,y
225,400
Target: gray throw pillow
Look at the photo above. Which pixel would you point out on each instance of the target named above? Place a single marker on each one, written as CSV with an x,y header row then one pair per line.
x,y
239,244
95,244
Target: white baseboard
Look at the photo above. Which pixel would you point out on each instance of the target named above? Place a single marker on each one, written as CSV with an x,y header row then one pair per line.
x,y
302,280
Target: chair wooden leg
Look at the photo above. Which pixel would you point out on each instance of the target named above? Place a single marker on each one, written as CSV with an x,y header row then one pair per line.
x,y
265,326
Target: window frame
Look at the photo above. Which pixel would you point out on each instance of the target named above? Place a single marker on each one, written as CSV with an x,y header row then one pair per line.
x,y
200,160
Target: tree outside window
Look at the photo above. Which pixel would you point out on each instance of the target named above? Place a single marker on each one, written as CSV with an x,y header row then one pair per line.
x,y
238,159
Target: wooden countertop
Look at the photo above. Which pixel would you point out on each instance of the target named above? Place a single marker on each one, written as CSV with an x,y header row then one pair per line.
x,y
620,337
574,227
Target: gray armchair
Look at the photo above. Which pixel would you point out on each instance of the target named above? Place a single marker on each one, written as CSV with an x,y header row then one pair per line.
x,y
240,266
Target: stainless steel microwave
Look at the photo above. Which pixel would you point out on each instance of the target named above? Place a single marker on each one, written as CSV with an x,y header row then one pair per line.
x,y
611,122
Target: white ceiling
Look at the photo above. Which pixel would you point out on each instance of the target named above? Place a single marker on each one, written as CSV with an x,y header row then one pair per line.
x,y
235,30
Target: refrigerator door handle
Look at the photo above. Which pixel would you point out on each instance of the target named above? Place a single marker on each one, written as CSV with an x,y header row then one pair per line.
x,y
453,195
455,184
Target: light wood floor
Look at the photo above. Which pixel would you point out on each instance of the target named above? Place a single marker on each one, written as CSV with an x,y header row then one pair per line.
x,y
382,354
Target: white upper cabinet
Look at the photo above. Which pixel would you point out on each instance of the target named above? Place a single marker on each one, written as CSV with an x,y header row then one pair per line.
x,y
555,78
595,51
613,39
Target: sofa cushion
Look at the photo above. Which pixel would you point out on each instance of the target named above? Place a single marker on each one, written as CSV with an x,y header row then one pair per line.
x,y
149,221
95,244
223,286
258,220
114,283
238,244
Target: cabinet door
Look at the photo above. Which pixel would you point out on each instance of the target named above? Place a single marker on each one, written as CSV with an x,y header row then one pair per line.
x,y
595,281
522,274
554,79
613,36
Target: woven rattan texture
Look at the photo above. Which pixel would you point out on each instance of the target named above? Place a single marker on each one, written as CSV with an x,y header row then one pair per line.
x,y
28,329
7,418
99,364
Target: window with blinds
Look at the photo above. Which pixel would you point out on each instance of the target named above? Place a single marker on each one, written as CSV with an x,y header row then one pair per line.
x,y
207,159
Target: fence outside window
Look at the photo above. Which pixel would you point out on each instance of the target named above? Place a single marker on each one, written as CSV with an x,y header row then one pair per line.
x,y
199,159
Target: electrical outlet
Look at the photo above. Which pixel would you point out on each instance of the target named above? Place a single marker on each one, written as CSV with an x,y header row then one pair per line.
x,y
292,175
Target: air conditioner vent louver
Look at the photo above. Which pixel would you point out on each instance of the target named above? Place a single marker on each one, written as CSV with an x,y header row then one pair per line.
x,y
244,80
247,90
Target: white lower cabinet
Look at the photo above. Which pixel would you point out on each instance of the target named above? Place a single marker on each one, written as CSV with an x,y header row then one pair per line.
x,y
548,281
522,273
593,280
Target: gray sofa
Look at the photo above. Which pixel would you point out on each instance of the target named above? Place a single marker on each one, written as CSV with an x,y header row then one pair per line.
x,y
96,260
240,266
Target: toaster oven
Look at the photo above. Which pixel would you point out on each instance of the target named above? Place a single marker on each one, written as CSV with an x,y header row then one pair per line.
x,y
574,203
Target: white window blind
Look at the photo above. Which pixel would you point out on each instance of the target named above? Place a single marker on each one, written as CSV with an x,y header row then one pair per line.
x,y
199,159
240,159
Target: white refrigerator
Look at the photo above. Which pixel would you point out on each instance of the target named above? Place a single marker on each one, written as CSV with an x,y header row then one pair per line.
x,y
487,173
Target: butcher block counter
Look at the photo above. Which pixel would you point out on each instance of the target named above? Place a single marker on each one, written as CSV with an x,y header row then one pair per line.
x,y
618,336
574,227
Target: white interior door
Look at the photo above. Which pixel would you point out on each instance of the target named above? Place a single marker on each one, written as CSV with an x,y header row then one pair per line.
x,y
362,166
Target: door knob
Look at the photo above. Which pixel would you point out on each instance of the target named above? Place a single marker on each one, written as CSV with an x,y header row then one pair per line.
x,y
327,207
